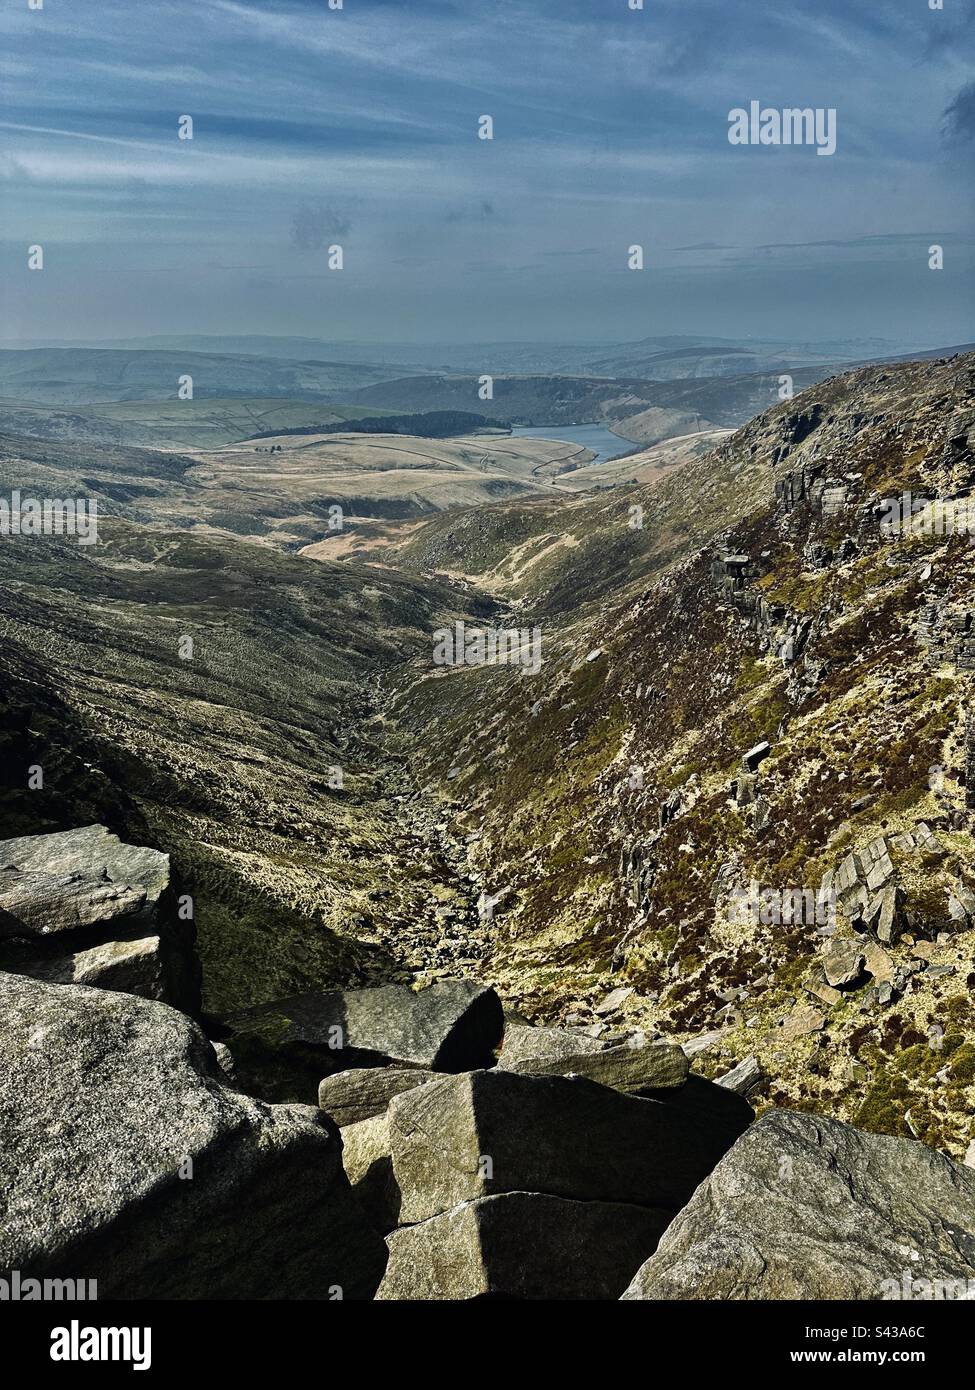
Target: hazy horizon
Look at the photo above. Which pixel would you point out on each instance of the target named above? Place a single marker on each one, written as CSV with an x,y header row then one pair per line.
x,y
418,343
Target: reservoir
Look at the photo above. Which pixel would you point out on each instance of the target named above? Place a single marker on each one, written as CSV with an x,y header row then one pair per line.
x,y
604,444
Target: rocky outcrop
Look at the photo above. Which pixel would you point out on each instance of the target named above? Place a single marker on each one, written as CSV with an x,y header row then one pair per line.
x,y
81,907
496,1184
804,1207
128,1160
283,1049
639,1066
521,1245
868,891
487,1132
352,1096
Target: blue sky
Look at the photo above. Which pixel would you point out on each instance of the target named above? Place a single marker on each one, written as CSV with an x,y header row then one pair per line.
x,y
359,126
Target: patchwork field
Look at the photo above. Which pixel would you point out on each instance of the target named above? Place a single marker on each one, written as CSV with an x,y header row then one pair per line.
x,y
378,476
283,489
396,542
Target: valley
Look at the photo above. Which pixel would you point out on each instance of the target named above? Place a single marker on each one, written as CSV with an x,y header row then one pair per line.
x,y
597,804
487,675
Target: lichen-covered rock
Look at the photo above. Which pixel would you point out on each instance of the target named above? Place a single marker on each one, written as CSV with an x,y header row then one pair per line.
x,y
82,907
624,1067
368,1164
521,1245
128,1160
804,1207
284,1048
523,1043
744,1078
485,1132
359,1094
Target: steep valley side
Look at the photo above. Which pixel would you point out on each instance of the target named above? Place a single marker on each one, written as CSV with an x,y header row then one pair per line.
x,y
615,821
212,698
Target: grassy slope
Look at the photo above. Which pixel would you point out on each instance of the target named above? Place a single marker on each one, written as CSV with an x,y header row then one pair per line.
x,y
223,759
683,685
205,422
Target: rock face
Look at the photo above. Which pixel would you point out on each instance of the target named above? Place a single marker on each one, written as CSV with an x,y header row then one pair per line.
x,y
521,1245
369,1167
522,1043
809,1208
81,907
352,1096
127,1159
843,962
647,1066
283,1049
487,1132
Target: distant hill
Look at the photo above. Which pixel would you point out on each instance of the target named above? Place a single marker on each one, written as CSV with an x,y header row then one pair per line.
x,y
431,424
639,410
647,391
202,423
82,376
660,356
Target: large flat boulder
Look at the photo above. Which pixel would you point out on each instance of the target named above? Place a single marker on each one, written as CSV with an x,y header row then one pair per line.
x,y
523,1043
57,883
523,1245
82,907
475,1135
283,1049
128,1160
352,1096
625,1067
809,1208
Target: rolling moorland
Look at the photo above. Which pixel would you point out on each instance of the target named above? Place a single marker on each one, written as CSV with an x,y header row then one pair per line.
x,y
118,397
744,681
646,392
661,357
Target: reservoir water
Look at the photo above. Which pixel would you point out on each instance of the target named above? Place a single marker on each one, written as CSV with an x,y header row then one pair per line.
x,y
604,444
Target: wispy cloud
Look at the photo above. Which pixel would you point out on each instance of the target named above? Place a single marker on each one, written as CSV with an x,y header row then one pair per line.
x,y
610,128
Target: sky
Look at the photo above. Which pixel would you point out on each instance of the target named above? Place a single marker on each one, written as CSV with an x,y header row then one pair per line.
x,y
358,127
